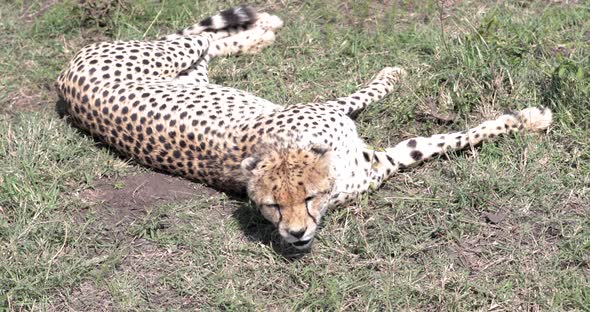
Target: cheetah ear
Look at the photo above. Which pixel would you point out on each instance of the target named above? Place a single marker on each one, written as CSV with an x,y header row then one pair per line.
x,y
249,164
319,150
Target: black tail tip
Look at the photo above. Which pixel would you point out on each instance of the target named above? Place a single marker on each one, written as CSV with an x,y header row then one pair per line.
x,y
242,15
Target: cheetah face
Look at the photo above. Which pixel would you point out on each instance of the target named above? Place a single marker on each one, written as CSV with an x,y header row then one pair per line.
x,y
291,188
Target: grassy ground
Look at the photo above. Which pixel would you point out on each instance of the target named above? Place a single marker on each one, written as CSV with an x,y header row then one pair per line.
x,y
502,227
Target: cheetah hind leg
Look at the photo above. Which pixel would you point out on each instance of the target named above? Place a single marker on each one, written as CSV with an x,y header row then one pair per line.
x,y
251,41
228,27
223,24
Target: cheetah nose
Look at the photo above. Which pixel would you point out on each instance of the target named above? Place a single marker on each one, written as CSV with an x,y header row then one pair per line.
x,y
298,234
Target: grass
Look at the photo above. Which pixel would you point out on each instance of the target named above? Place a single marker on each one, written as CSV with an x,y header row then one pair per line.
x,y
502,227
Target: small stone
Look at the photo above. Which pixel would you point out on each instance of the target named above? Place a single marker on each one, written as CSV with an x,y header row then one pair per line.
x,y
495,218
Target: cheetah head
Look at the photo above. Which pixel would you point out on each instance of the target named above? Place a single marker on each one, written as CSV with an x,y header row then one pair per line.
x,y
291,187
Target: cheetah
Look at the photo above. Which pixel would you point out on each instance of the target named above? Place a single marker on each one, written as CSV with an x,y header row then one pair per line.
x,y
152,100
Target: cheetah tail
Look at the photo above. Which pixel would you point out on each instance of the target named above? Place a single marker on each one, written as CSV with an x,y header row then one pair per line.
x,y
240,16
413,151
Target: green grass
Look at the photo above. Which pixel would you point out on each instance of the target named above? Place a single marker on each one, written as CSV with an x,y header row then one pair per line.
x,y
419,243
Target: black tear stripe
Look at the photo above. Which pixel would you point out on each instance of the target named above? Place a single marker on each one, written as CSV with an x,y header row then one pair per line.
x,y
280,217
309,214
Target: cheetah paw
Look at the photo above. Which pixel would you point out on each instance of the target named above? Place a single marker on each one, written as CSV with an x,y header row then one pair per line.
x,y
393,71
265,40
268,22
535,118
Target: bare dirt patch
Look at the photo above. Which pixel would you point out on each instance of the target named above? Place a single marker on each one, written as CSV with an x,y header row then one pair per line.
x,y
145,189
114,205
117,199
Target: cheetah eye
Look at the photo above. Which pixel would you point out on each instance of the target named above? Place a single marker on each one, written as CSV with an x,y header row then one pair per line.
x,y
309,198
274,206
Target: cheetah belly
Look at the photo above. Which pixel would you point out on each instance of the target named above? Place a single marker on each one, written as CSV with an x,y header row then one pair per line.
x,y
189,130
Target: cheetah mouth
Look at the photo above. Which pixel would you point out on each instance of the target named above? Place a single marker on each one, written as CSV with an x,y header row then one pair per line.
x,y
302,243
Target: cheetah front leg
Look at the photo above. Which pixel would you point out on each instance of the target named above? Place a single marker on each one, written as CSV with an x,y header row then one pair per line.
x,y
371,168
378,88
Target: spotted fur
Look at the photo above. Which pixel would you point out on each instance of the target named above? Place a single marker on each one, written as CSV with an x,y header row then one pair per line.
x,y
152,100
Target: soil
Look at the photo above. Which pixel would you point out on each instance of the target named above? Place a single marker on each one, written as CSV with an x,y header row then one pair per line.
x,y
118,199
145,189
